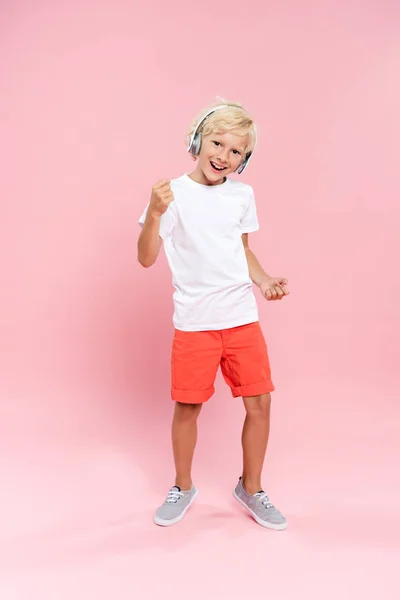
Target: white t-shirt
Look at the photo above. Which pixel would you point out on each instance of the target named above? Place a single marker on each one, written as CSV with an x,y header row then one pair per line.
x,y
202,234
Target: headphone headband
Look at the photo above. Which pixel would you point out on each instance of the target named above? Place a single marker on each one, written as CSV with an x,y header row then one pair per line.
x,y
195,140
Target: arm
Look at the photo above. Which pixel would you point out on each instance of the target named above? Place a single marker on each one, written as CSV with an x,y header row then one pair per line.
x,y
272,288
256,272
149,242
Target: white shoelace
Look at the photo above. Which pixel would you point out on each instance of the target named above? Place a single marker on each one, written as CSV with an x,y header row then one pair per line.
x,y
174,496
265,501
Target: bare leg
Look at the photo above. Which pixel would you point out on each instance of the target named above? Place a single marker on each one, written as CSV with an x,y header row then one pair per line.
x,y
184,438
255,440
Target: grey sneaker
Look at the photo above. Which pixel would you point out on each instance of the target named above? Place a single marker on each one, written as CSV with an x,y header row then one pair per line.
x,y
175,506
260,508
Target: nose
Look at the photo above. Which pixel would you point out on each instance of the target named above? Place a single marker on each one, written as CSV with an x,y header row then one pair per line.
x,y
223,156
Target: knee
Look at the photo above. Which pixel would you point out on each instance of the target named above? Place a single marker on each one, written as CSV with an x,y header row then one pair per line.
x,y
187,412
259,406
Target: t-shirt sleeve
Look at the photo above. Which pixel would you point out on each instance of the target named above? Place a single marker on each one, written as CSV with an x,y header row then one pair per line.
x,y
167,221
249,220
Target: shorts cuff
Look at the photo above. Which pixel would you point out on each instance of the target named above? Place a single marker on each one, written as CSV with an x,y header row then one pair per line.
x,y
188,397
253,389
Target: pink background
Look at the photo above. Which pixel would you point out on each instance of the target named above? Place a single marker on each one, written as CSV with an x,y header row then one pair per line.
x,y
95,99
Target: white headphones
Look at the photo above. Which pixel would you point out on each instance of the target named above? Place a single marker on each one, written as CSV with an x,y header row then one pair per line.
x,y
195,141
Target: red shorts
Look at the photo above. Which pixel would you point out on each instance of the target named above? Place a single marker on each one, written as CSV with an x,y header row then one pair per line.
x,y
241,352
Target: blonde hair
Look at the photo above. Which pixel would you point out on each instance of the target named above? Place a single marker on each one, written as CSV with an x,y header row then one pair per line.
x,y
233,118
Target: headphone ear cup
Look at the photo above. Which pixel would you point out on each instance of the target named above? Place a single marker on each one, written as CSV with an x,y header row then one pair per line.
x,y
195,150
243,164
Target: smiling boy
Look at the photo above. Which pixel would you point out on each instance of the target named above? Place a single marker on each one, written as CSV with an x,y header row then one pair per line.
x,y
204,219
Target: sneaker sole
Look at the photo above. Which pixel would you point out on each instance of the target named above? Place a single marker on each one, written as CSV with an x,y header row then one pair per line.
x,y
167,523
275,527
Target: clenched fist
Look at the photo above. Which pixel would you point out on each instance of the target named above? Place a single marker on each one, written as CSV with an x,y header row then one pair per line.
x,y
161,198
274,288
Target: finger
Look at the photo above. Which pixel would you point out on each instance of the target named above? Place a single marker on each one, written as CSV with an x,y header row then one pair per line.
x,y
273,293
267,294
163,184
168,197
283,284
279,292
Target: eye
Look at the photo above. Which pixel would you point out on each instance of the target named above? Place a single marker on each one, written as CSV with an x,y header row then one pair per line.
x,y
236,151
217,143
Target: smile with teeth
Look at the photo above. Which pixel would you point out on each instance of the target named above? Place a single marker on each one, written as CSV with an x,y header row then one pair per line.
x,y
216,167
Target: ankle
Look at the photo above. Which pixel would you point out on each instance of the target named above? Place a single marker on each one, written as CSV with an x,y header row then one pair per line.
x,y
251,486
184,484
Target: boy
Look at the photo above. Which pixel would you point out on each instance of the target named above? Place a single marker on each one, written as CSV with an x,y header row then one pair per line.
x,y
204,219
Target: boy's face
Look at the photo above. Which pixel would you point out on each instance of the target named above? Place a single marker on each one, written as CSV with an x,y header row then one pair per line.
x,y
220,155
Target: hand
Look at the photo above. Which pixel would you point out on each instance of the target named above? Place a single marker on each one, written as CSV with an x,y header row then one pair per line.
x,y
161,198
274,288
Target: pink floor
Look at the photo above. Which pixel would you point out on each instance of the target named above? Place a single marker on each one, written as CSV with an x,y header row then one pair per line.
x,y
77,523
